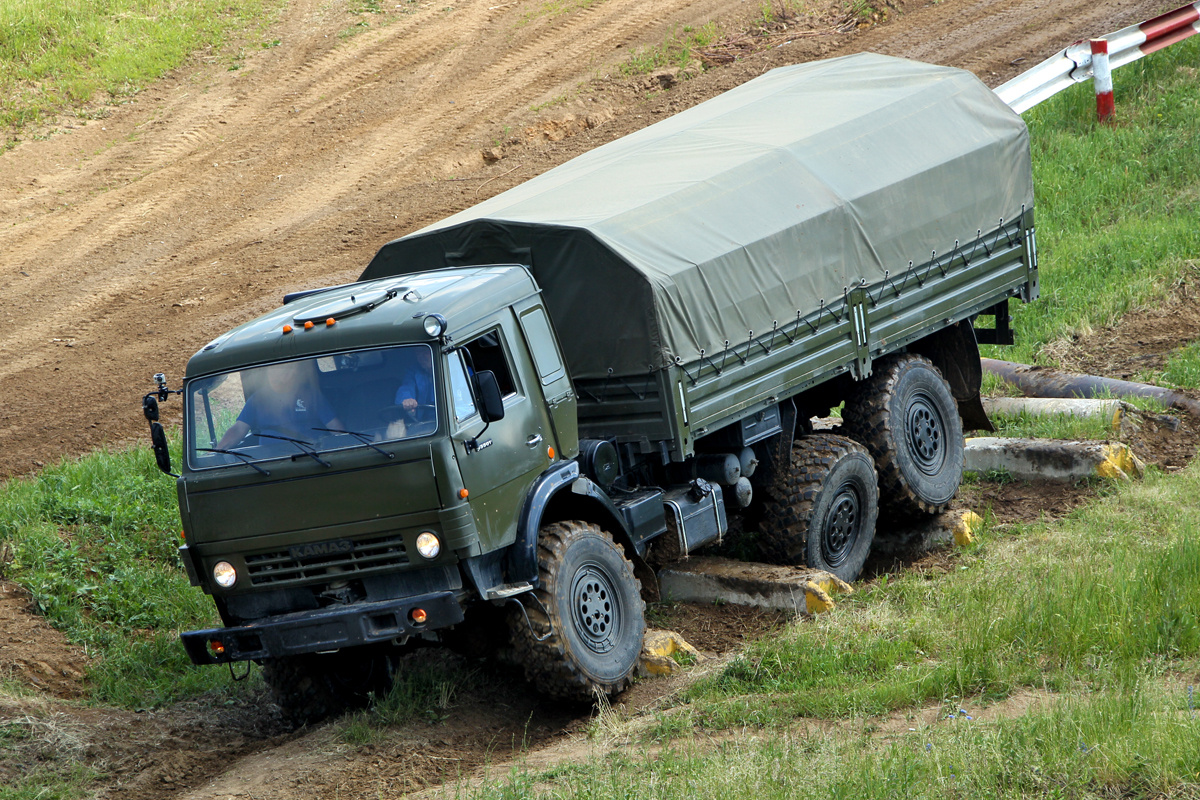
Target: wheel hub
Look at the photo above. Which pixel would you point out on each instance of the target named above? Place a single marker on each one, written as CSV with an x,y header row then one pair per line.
x,y
595,614
841,528
925,431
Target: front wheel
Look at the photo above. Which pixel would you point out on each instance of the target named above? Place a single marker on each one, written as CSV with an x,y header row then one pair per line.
x,y
589,615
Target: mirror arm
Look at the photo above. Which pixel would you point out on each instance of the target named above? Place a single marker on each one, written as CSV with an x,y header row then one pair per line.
x,y
472,445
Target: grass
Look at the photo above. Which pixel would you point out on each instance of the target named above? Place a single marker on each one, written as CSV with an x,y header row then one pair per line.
x,y
1140,744
1116,204
676,50
1052,426
1096,618
1102,601
58,55
95,541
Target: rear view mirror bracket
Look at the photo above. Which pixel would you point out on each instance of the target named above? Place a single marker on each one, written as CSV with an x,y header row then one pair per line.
x,y
158,437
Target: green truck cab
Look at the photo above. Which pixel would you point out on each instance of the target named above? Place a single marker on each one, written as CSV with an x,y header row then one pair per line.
x,y
516,413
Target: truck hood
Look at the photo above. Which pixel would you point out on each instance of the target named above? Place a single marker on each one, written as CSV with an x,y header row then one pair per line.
x,y
361,500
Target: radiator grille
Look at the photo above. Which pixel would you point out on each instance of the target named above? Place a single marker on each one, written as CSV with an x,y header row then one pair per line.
x,y
282,567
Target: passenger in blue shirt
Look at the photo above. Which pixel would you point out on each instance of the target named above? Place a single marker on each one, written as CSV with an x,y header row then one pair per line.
x,y
416,394
288,403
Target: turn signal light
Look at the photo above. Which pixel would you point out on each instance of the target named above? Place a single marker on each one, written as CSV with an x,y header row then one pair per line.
x,y
463,493
418,616
550,452
215,647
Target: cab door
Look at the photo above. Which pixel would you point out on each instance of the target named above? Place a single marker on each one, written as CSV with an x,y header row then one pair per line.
x,y
499,463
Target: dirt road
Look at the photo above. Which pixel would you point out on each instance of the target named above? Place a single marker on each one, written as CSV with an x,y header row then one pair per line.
x,y
128,242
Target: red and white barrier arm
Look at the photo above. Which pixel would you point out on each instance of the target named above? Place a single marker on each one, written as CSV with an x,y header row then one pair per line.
x,y
1074,64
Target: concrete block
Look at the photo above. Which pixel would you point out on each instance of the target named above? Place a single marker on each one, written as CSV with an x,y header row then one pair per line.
x,y
1052,460
709,580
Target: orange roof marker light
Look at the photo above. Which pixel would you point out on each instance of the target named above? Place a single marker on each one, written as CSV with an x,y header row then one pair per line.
x,y
308,325
287,328
329,323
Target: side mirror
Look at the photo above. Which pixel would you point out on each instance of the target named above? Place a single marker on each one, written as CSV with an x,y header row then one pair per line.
x,y
487,391
158,439
150,407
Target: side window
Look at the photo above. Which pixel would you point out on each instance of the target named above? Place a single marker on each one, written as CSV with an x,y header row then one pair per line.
x,y
487,353
541,342
460,388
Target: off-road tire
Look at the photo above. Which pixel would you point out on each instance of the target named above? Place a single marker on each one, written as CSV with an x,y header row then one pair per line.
x,y
822,507
596,615
309,688
907,418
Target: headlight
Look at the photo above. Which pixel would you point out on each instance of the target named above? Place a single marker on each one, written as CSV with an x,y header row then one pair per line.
x,y
224,574
428,545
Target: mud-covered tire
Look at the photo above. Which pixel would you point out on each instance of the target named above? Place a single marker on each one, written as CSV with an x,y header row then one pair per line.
x,y
822,507
596,615
908,420
309,688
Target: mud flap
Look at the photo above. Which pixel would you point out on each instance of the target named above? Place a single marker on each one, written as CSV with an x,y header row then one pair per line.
x,y
955,353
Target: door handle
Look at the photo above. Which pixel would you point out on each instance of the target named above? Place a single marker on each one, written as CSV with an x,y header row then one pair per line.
x,y
534,440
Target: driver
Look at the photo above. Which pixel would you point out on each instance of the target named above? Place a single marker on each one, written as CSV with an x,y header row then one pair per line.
x,y
289,403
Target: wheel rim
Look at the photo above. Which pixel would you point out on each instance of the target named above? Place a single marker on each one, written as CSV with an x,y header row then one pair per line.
x,y
595,613
840,530
926,433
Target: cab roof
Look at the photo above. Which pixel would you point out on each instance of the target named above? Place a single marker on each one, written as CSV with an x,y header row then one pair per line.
x,y
368,313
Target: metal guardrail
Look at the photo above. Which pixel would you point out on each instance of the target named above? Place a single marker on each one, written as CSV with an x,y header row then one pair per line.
x,y
1073,64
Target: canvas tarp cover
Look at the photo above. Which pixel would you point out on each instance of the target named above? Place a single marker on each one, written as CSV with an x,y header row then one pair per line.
x,y
747,209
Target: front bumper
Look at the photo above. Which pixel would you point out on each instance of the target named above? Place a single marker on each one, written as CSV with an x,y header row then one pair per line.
x,y
324,629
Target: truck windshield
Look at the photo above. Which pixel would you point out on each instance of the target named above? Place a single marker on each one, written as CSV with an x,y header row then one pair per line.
x,y
311,405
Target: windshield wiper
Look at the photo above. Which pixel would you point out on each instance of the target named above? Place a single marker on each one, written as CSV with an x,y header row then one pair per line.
x,y
245,458
305,447
362,437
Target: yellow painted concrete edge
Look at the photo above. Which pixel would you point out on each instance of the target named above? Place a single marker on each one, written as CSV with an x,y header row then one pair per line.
x,y
1120,463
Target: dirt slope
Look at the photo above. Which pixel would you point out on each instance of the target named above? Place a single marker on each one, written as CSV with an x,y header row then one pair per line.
x,y
129,242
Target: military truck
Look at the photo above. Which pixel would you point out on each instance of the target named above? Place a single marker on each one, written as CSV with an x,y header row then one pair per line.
x,y
515,414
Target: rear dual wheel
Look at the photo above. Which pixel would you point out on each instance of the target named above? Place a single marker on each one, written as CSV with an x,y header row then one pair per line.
x,y
822,508
907,418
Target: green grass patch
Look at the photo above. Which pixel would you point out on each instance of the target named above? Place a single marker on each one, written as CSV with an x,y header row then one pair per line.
x,y
1100,602
56,55
1137,743
95,541
1116,204
676,50
1052,426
